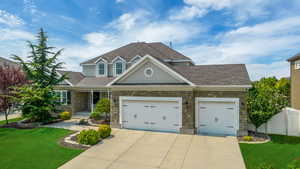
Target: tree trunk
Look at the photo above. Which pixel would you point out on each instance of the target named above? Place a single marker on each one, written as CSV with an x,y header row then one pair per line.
x,y
256,128
6,115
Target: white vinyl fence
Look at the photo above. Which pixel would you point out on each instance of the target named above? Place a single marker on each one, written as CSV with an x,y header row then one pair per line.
x,y
286,122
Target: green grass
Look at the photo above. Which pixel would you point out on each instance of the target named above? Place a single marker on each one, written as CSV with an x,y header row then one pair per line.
x,y
11,120
33,148
279,152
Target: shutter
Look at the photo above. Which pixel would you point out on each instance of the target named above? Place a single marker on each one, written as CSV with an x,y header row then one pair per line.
x,y
69,97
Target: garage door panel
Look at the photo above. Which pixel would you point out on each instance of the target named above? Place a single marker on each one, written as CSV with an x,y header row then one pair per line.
x,y
151,115
217,117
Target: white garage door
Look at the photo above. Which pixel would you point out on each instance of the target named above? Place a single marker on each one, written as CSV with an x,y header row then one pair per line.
x,y
149,113
218,116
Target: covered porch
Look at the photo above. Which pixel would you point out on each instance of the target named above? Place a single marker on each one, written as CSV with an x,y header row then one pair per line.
x,y
84,101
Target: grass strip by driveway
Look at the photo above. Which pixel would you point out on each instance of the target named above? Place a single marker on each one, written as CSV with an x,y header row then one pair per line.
x,y
279,152
33,148
11,120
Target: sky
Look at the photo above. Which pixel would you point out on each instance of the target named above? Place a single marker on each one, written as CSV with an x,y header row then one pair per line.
x,y
259,33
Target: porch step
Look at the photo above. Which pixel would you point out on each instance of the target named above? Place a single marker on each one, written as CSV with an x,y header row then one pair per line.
x,y
81,115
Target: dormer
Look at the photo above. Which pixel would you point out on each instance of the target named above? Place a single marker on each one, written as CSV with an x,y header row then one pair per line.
x,y
135,59
119,65
101,68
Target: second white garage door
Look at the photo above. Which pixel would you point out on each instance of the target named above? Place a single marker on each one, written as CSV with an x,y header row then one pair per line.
x,y
219,116
151,113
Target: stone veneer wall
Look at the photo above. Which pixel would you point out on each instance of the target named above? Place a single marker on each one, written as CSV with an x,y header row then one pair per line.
x,y
243,130
188,105
79,101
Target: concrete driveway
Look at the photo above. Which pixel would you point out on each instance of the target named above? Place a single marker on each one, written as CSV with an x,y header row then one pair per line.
x,y
130,149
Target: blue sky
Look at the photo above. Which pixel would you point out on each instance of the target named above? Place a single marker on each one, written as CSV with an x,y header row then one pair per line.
x,y
259,33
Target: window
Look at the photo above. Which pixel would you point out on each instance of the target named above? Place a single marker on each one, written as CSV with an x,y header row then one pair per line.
x,y
64,96
101,69
148,72
118,68
297,64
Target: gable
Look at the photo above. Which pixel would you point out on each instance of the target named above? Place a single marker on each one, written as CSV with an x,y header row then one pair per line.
x,y
138,76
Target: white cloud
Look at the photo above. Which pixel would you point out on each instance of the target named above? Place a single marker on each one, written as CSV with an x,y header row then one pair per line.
x,y
187,13
278,69
241,9
269,41
10,19
15,34
119,1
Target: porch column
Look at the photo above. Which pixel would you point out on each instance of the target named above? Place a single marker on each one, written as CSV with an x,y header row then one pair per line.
x,y
92,100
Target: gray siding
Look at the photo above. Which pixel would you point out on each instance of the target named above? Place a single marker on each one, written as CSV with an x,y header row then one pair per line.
x,y
159,76
89,70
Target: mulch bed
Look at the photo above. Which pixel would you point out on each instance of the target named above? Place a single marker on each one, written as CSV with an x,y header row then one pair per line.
x,y
69,145
94,122
20,125
257,137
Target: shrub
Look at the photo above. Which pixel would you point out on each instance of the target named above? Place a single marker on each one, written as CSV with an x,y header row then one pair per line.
x,y
65,115
95,116
248,138
103,107
83,122
104,130
265,166
88,137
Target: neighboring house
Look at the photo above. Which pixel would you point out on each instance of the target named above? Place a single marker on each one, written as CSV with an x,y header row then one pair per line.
x,y
5,62
295,81
153,87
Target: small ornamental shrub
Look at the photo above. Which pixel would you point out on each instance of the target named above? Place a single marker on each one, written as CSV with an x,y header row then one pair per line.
x,y
103,107
95,116
83,122
248,138
104,130
265,166
88,137
65,115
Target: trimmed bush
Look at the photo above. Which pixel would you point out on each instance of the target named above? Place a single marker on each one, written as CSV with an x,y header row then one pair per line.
x,y
65,115
104,130
95,116
103,107
88,137
83,122
248,138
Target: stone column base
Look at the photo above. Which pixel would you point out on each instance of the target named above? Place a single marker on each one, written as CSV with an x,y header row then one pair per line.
x,y
115,125
187,131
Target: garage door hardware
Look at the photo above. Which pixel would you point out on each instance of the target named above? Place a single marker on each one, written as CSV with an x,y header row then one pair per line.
x,y
202,107
152,123
125,105
229,126
124,121
230,108
202,125
175,124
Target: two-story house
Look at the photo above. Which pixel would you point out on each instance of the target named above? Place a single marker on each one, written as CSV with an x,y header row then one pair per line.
x,y
153,87
295,81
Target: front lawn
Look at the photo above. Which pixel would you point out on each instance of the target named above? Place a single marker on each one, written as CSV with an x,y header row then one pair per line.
x,y
33,148
279,152
11,120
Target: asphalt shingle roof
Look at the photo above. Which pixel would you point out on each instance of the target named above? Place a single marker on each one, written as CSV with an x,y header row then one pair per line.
x,y
74,77
295,57
127,52
227,74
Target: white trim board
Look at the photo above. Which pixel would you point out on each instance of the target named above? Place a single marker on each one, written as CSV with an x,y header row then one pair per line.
x,y
156,62
60,75
236,101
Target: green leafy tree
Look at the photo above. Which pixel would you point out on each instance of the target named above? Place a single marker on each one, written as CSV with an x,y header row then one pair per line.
x,y
42,66
265,100
103,107
41,69
36,103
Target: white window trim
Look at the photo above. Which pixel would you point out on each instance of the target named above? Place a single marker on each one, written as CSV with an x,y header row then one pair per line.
x,y
118,59
134,58
61,96
145,72
97,69
297,64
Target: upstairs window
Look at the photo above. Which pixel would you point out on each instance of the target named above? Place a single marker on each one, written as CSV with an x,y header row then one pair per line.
x,y
297,64
119,68
101,69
